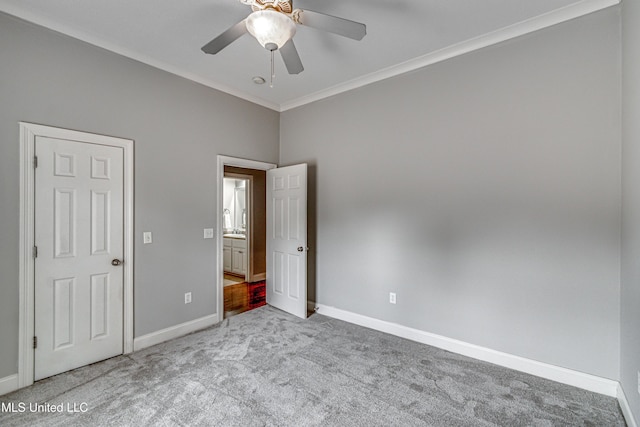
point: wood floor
(243, 296)
(230, 279)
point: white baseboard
(8, 384)
(555, 373)
(174, 332)
(626, 409)
(258, 277)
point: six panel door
(287, 239)
(78, 233)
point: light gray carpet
(267, 368)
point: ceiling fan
(273, 24)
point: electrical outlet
(208, 233)
(392, 297)
(147, 237)
(187, 298)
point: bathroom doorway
(244, 239)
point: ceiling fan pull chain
(273, 72)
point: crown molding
(66, 30)
(540, 22)
(567, 13)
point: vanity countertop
(234, 236)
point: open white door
(287, 239)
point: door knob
(116, 262)
(300, 249)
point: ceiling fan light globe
(270, 26)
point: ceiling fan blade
(291, 58)
(344, 27)
(225, 39)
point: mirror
(240, 200)
(235, 205)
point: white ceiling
(401, 35)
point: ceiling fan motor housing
(284, 6)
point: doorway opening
(242, 228)
(285, 233)
(244, 239)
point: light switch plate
(147, 237)
(208, 233)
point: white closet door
(79, 236)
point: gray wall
(630, 300)
(484, 191)
(178, 126)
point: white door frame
(222, 162)
(28, 134)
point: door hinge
(35, 161)
(35, 252)
(35, 342)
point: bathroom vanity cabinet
(235, 255)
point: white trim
(626, 409)
(28, 134)
(222, 162)
(549, 19)
(555, 373)
(25, 262)
(174, 332)
(540, 22)
(8, 384)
